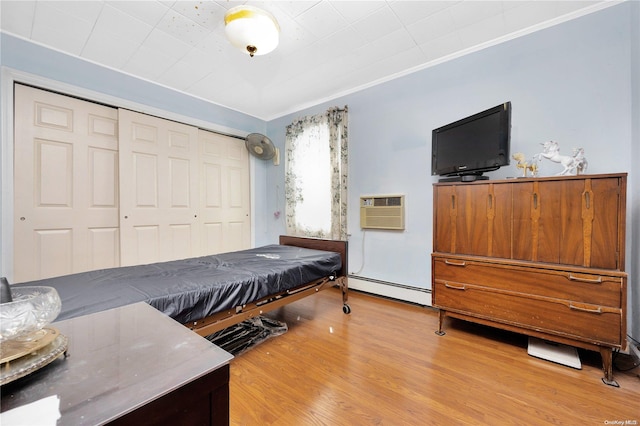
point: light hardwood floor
(383, 365)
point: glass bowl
(32, 308)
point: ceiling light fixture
(251, 30)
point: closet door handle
(452, 263)
(585, 280)
(591, 310)
(455, 286)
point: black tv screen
(467, 148)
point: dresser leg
(441, 315)
(607, 366)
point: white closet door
(224, 193)
(66, 185)
(159, 189)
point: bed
(210, 293)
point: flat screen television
(465, 149)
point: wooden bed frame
(222, 320)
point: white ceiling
(327, 48)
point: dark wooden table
(130, 365)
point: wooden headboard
(320, 244)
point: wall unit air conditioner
(382, 212)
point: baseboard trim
(420, 296)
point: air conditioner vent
(382, 212)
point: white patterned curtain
(316, 175)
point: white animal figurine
(580, 162)
(551, 152)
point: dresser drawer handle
(586, 280)
(452, 263)
(596, 310)
(455, 286)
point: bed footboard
(337, 246)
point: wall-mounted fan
(260, 146)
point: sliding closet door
(225, 197)
(97, 187)
(158, 189)
(65, 185)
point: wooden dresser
(539, 256)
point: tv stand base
(463, 178)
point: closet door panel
(224, 194)
(212, 238)
(159, 202)
(58, 241)
(103, 178)
(146, 249)
(53, 174)
(105, 248)
(181, 241)
(180, 176)
(145, 181)
(235, 233)
(65, 184)
(212, 180)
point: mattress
(194, 288)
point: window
(316, 175)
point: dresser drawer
(603, 290)
(592, 323)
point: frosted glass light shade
(251, 30)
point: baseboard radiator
(420, 296)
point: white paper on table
(43, 412)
